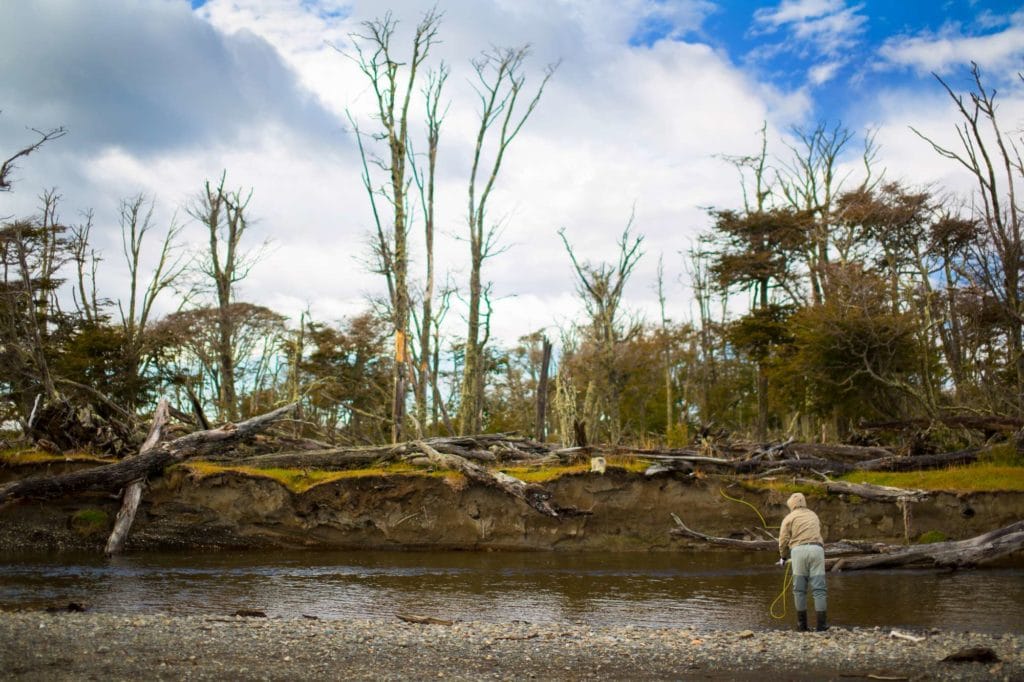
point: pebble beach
(38, 645)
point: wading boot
(801, 621)
(822, 622)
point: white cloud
(952, 48)
(795, 11)
(619, 125)
(819, 74)
(828, 26)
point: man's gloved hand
(781, 562)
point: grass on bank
(981, 477)
(973, 478)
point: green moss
(30, 456)
(301, 480)
(932, 536)
(89, 521)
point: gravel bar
(38, 645)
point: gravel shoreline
(84, 646)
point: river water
(705, 589)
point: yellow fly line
(787, 578)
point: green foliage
(348, 374)
(756, 247)
(854, 355)
(99, 356)
(761, 330)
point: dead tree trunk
(133, 491)
(847, 555)
(538, 498)
(542, 392)
(147, 463)
(953, 554)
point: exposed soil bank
(626, 512)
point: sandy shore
(92, 646)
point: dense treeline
(825, 299)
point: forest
(831, 304)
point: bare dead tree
(425, 183)
(86, 264)
(392, 95)
(499, 86)
(223, 213)
(542, 391)
(136, 215)
(8, 165)
(810, 181)
(993, 159)
(667, 340)
(600, 287)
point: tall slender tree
(500, 83)
(223, 213)
(393, 87)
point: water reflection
(720, 589)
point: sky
(159, 96)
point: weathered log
(815, 465)
(337, 459)
(880, 493)
(682, 530)
(974, 551)
(828, 451)
(920, 462)
(847, 555)
(133, 491)
(146, 464)
(535, 496)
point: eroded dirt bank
(627, 512)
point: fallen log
(841, 548)
(920, 462)
(535, 496)
(879, 493)
(133, 491)
(338, 459)
(147, 463)
(968, 553)
(826, 451)
(848, 555)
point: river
(704, 589)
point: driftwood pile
(477, 457)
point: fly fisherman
(800, 540)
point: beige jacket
(800, 527)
